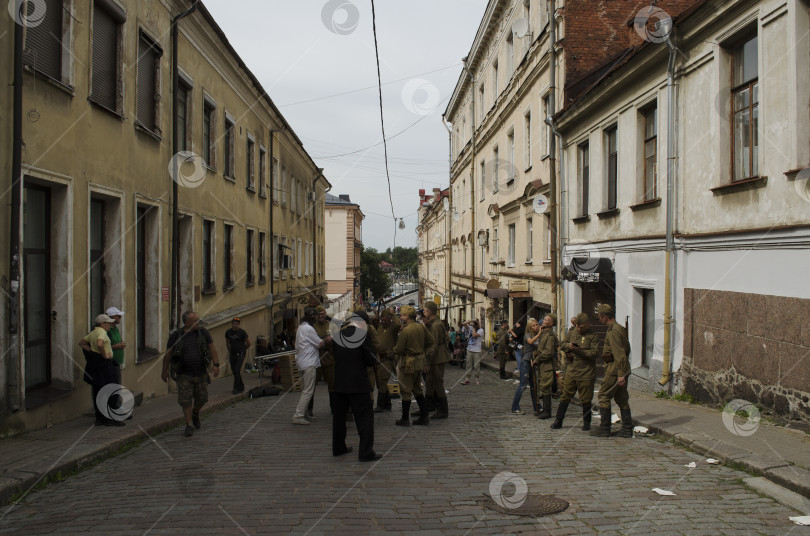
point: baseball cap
(114, 311)
(102, 318)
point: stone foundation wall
(748, 346)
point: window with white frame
(745, 109)
(208, 280)
(549, 238)
(208, 131)
(148, 85)
(274, 179)
(250, 164)
(611, 167)
(229, 146)
(510, 260)
(495, 244)
(510, 56)
(227, 256)
(546, 141)
(481, 107)
(250, 277)
(482, 179)
(262, 171)
(495, 164)
(583, 177)
(510, 140)
(495, 81)
(649, 118)
(48, 44)
(529, 238)
(527, 129)
(106, 83)
(276, 251)
(262, 258)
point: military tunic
(617, 346)
(384, 346)
(437, 356)
(580, 374)
(547, 348)
(414, 340)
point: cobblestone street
(249, 471)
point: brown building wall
(748, 346)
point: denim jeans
(525, 368)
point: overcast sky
(311, 50)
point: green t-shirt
(115, 338)
(93, 337)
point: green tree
(372, 277)
(402, 258)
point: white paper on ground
(801, 520)
(641, 430)
(614, 418)
(712, 461)
(660, 491)
(691, 465)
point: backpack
(176, 364)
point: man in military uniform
(581, 349)
(327, 370)
(503, 349)
(547, 347)
(413, 340)
(438, 355)
(617, 369)
(387, 334)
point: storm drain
(534, 506)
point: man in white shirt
(307, 343)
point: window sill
(263, 195)
(228, 178)
(529, 262)
(70, 90)
(547, 261)
(250, 189)
(581, 219)
(208, 291)
(228, 288)
(605, 214)
(263, 281)
(250, 284)
(793, 173)
(740, 186)
(544, 158)
(210, 168)
(100, 106)
(150, 133)
(528, 169)
(650, 203)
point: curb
(12, 484)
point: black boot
(586, 417)
(405, 420)
(424, 415)
(332, 403)
(627, 424)
(380, 402)
(558, 419)
(387, 400)
(432, 405)
(503, 374)
(441, 411)
(604, 423)
(546, 413)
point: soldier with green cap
(547, 347)
(503, 349)
(387, 334)
(327, 370)
(438, 355)
(581, 349)
(617, 369)
(414, 340)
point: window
(483, 179)
(277, 251)
(529, 238)
(105, 88)
(745, 109)
(249, 254)
(648, 326)
(650, 149)
(583, 176)
(250, 164)
(495, 244)
(483, 261)
(546, 141)
(147, 285)
(494, 82)
(527, 128)
(549, 238)
(183, 92)
(262, 171)
(283, 186)
(262, 258)
(274, 179)
(208, 133)
(495, 164)
(208, 282)
(481, 104)
(612, 165)
(464, 202)
(511, 255)
(44, 41)
(97, 241)
(229, 140)
(298, 261)
(510, 138)
(227, 247)
(148, 87)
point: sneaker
(518, 412)
(195, 418)
(189, 431)
(299, 420)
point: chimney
(345, 197)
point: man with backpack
(189, 353)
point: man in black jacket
(353, 351)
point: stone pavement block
(794, 478)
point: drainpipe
(447, 214)
(13, 363)
(552, 159)
(175, 302)
(563, 205)
(670, 297)
(474, 238)
(315, 228)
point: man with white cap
(99, 355)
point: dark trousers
(361, 406)
(236, 361)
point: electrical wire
(382, 118)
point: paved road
(249, 471)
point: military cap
(387, 312)
(604, 309)
(582, 318)
(431, 306)
(320, 309)
(408, 311)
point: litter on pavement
(660, 491)
(712, 461)
(691, 465)
(641, 430)
(801, 520)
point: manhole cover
(534, 505)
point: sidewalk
(61, 449)
(777, 453)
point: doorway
(37, 285)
